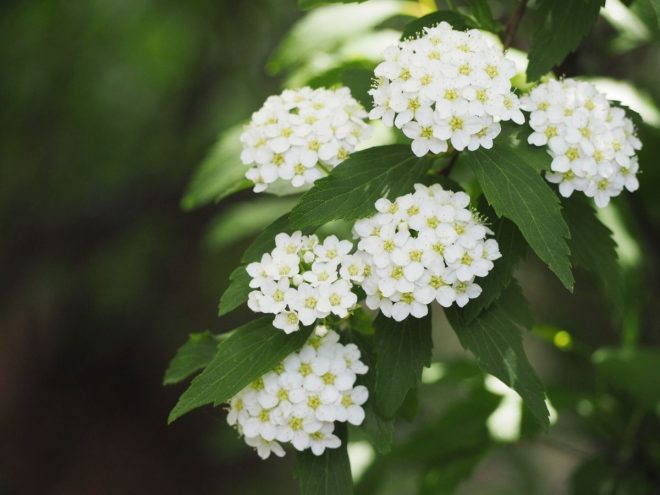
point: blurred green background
(107, 108)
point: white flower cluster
(298, 136)
(422, 247)
(446, 86)
(303, 280)
(592, 143)
(300, 400)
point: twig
(513, 23)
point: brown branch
(513, 23)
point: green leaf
(246, 219)
(403, 349)
(593, 248)
(457, 21)
(460, 429)
(447, 477)
(357, 75)
(515, 190)
(635, 371)
(410, 406)
(649, 12)
(513, 302)
(359, 81)
(351, 189)
(328, 28)
(326, 474)
(265, 241)
(379, 430)
(482, 13)
(495, 340)
(239, 280)
(513, 248)
(310, 4)
(515, 136)
(452, 447)
(237, 292)
(249, 352)
(564, 23)
(192, 356)
(443, 450)
(220, 174)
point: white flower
(336, 298)
(286, 320)
(592, 144)
(295, 137)
(353, 268)
(466, 291)
(303, 280)
(348, 408)
(421, 247)
(445, 87)
(299, 401)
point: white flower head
(444, 88)
(304, 280)
(592, 143)
(421, 247)
(299, 401)
(296, 137)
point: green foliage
(495, 340)
(379, 430)
(484, 16)
(653, 8)
(192, 356)
(513, 248)
(325, 29)
(515, 190)
(310, 4)
(520, 207)
(593, 248)
(248, 353)
(402, 351)
(456, 19)
(265, 241)
(239, 280)
(220, 174)
(634, 371)
(444, 451)
(564, 23)
(359, 81)
(327, 474)
(603, 477)
(351, 189)
(237, 292)
(246, 219)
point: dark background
(107, 107)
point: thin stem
(450, 4)
(452, 161)
(512, 26)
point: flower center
(456, 123)
(310, 302)
(408, 297)
(397, 273)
